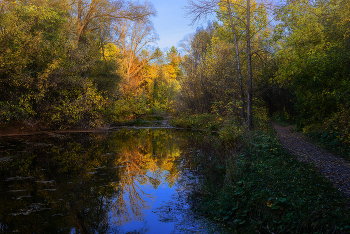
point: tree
(173, 70)
(133, 39)
(194, 80)
(314, 62)
(47, 80)
(92, 15)
(201, 9)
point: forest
(69, 64)
(89, 64)
(84, 64)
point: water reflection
(87, 182)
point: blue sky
(170, 24)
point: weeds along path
(336, 169)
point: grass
(330, 141)
(326, 139)
(210, 122)
(263, 189)
(144, 121)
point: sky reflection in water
(118, 182)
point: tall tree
(200, 9)
(250, 74)
(134, 38)
(89, 11)
(194, 81)
(238, 62)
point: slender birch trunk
(249, 66)
(233, 28)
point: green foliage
(313, 60)
(260, 118)
(334, 133)
(330, 140)
(162, 95)
(45, 76)
(122, 110)
(20, 110)
(264, 189)
(105, 72)
(231, 133)
(79, 106)
(202, 121)
(323, 86)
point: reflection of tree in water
(143, 160)
(131, 200)
(91, 174)
(63, 190)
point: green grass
(144, 121)
(153, 117)
(202, 121)
(263, 189)
(330, 141)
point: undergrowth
(263, 189)
(142, 121)
(330, 141)
(205, 121)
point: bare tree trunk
(249, 66)
(79, 19)
(237, 61)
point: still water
(123, 181)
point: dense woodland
(76, 63)
(92, 63)
(82, 63)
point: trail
(336, 169)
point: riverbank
(264, 189)
(21, 129)
(331, 166)
(16, 128)
(250, 184)
(261, 188)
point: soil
(18, 129)
(331, 166)
(22, 129)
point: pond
(122, 181)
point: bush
(202, 121)
(231, 133)
(126, 109)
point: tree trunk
(249, 66)
(237, 62)
(79, 19)
(83, 23)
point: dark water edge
(125, 181)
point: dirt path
(336, 169)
